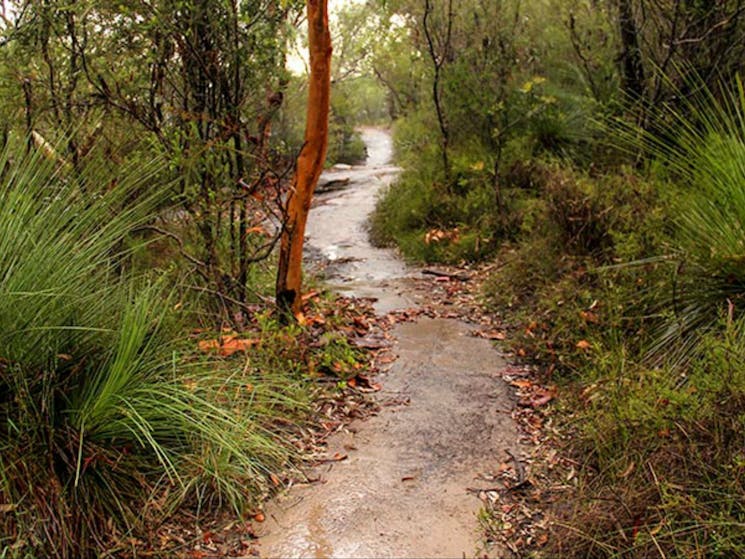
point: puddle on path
(402, 492)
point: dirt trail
(403, 491)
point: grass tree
(109, 417)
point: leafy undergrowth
(640, 452)
(431, 220)
(661, 461)
(123, 434)
(332, 356)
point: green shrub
(431, 220)
(662, 455)
(345, 146)
(658, 444)
(431, 223)
(108, 418)
(573, 227)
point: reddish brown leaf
(491, 334)
(310, 295)
(522, 383)
(257, 229)
(590, 317)
(228, 345)
(363, 384)
(542, 400)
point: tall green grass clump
(108, 419)
(661, 451)
(701, 147)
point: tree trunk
(438, 61)
(309, 163)
(631, 57)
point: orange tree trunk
(309, 163)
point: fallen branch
(333, 185)
(519, 468)
(442, 274)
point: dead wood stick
(518, 467)
(443, 274)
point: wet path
(337, 229)
(402, 492)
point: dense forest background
(592, 152)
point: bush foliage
(627, 292)
(110, 418)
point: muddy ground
(407, 485)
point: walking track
(402, 492)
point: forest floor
(456, 427)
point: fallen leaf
(522, 383)
(542, 400)
(386, 359)
(370, 343)
(363, 384)
(590, 317)
(438, 235)
(491, 334)
(314, 319)
(228, 346)
(583, 344)
(257, 229)
(338, 457)
(313, 294)
(208, 345)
